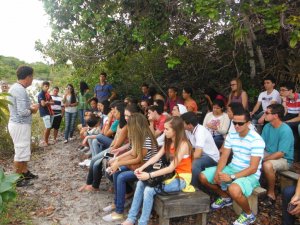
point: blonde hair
(178, 126)
(138, 131)
(239, 88)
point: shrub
(7, 188)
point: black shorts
(56, 122)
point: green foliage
(7, 188)
(164, 42)
(4, 107)
(18, 211)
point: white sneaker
(65, 141)
(87, 162)
(72, 138)
(83, 163)
(84, 149)
(109, 208)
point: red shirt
(159, 124)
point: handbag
(158, 182)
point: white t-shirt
(202, 138)
(266, 98)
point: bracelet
(150, 177)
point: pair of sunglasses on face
(238, 123)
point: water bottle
(223, 186)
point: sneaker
(87, 162)
(113, 217)
(72, 138)
(84, 149)
(245, 219)
(29, 175)
(65, 141)
(23, 183)
(83, 163)
(268, 202)
(109, 208)
(80, 148)
(221, 203)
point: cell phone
(109, 155)
(157, 166)
(290, 207)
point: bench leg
(164, 221)
(201, 219)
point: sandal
(268, 202)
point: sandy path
(56, 189)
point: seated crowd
(225, 154)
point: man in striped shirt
(237, 180)
(291, 102)
(58, 109)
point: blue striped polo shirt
(243, 148)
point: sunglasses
(238, 123)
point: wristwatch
(232, 176)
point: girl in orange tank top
(178, 150)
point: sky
(22, 22)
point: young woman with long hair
(237, 93)
(143, 147)
(83, 98)
(178, 150)
(217, 122)
(70, 103)
(118, 144)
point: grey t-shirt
(20, 108)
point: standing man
(269, 96)
(279, 153)
(237, 180)
(20, 120)
(103, 90)
(145, 91)
(172, 99)
(58, 110)
(4, 87)
(45, 101)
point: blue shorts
(247, 184)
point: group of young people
(225, 154)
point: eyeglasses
(233, 84)
(283, 89)
(238, 123)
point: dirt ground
(59, 202)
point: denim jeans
(101, 142)
(70, 119)
(81, 116)
(95, 170)
(94, 151)
(199, 165)
(120, 178)
(145, 194)
(288, 193)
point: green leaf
(1, 174)
(1, 204)
(12, 178)
(5, 186)
(172, 62)
(8, 196)
(293, 42)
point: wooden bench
(252, 199)
(287, 178)
(182, 204)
